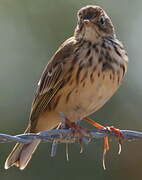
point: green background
(30, 32)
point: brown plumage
(79, 79)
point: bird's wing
(52, 79)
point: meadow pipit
(79, 79)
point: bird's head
(93, 24)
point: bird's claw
(110, 130)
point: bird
(78, 80)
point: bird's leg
(66, 123)
(116, 131)
(75, 126)
(95, 124)
(111, 129)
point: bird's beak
(88, 22)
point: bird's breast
(87, 92)
(90, 80)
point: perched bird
(80, 78)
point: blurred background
(30, 32)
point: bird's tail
(21, 154)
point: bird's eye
(80, 15)
(102, 20)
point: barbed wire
(68, 136)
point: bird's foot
(66, 123)
(118, 134)
(110, 129)
(81, 130)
